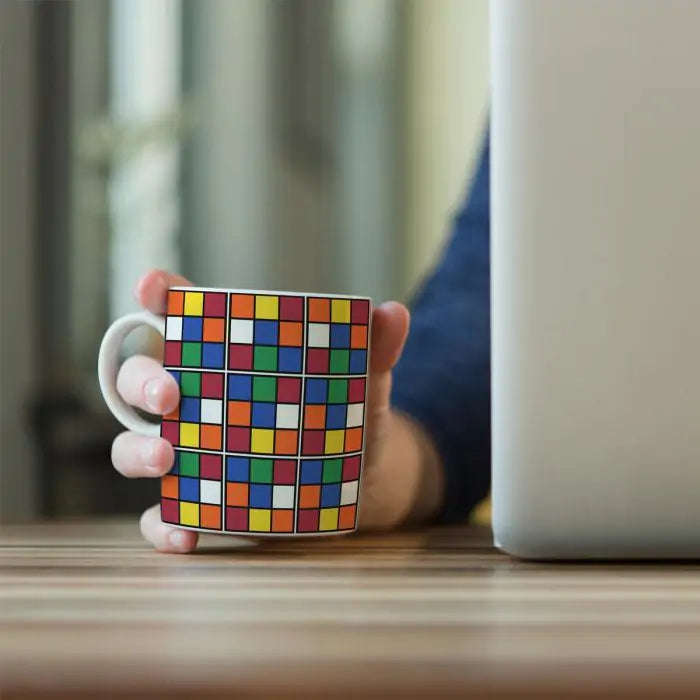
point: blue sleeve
(443, 379)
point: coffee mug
(269, 432)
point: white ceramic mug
(269, 432)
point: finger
(152, 289)
(135, 455)
(390, 323)
(164, 537)
(144, 383)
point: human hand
(393, 463)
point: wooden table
(87, 611)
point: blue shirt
(443, 378)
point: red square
(359, 311)
(291, 309)
(285, 471)
(238, 440)
(313, 442)
(169, 511)
(237, 519)
(317, 361)
(212, 386)
(210, 466)
(240, 357)
(170, 431)
(173, 353)
(307, 520)
(214, 304)
(351, 468)
(289, 390)
(356, 390)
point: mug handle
(108, 366)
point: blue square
(237, 469)
(191, 328)
(311, 472)
(189, 410)
(330, 495)
(266, 332)
(189, 489)
(316, 390)
(263, 415)
(336, 415)
(175, 374)
(289, 360)
(358, 361)
(260, 496)
(240, 387)
(213, 355)
(176, 464)
(340, 335)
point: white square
(241, 331)
(287, 416)
(319, 335)
(355, 414)
(283, 496)
(348, 493)
(210, 411)
(173, 328)
(210, 492)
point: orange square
(290, 333)
(236, 494)
(176, 303)
(353, 439)
(210, 516)
(168, 486)
(309, 496)
(282, 521)
(243, 306)
(358, 337)
(239, 412)
(214, 330)
(346, 518)
(286, 442)
(315, 417)
(210, 437)
(173, 415)
(320, 310)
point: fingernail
(178, 540)
(153, 391)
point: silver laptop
(596, 277)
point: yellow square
(194, 303)
(189, 514)
(262, 441)
(189, 434)
(335, 440)
(328, 519)
(267, 307)
(340, 310)
(259, 519)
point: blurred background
(310, 145)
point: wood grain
(88, 610)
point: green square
(332, 470)
(340, 361)
(189, 464)
(265, 359)
(191, 354)
(264, 388)
(190, 383)
(337, 391)
(261, 471)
